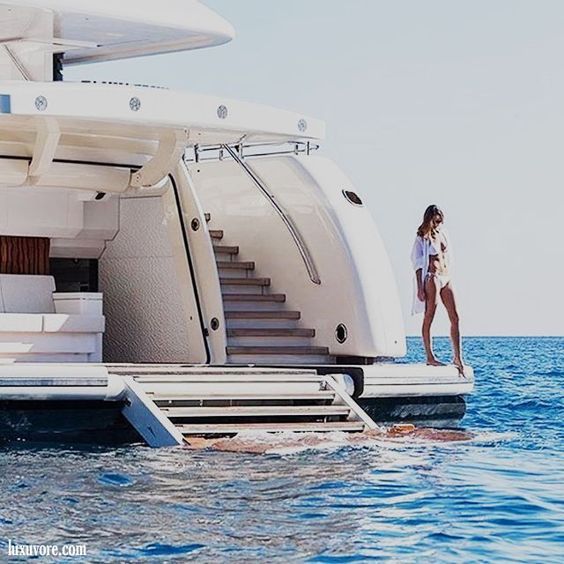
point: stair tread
(254, 410)
(260, 314)
(245, 281)
(254, 297)
(313, 427)
(227, 249)
(244, 265)
(277, 350)
(270, 332)
(216, 233)
(239, 397)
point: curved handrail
(294, 232)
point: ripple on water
(115, 479)
(498, 496)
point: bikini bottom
(443, 279)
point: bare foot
(460, 367)
(434, 362)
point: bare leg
(431, 300)
(447, 296)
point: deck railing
(199, 153)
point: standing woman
(430, 256)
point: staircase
(173, 402)
(261, 329)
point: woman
(431, 256)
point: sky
(455, 103)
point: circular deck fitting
(195, 224)
(135, 104)
(214, 324)
(41, 103)
(302, 125)
(222, 112)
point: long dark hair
(426, 228)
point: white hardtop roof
(103, 30)
(119, 121)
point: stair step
(216, 233)
(278, 314)
(226, 249)
(271, 332)
(208, 217)
(248, 265)
(230, 429)
(245, 281)
(258, 410)
(241, 397)
(278, 350)
(278, 298)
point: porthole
(341, 333)
(352, 197)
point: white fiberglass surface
(127, 118)
(107, 29)
(357, 286)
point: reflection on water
(495, 495)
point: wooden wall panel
(24, 255)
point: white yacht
(173, 264)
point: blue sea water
(496, 497)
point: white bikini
(420, 253)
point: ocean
(498, 496)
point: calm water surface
(497, 497)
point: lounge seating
(39, 325)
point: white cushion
(22, 293)
(21, 323)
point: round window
(352, 197)
(341, 333)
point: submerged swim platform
(164, 404)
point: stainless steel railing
(217, 152)
(284, 216)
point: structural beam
(172, 144)
(46, 143)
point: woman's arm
(420, 286)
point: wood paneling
(24, 255)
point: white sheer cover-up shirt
(421, 251)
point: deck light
(222, 112)
(41, 103)
(135, 104)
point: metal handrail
(294, 232)
(298, 147)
